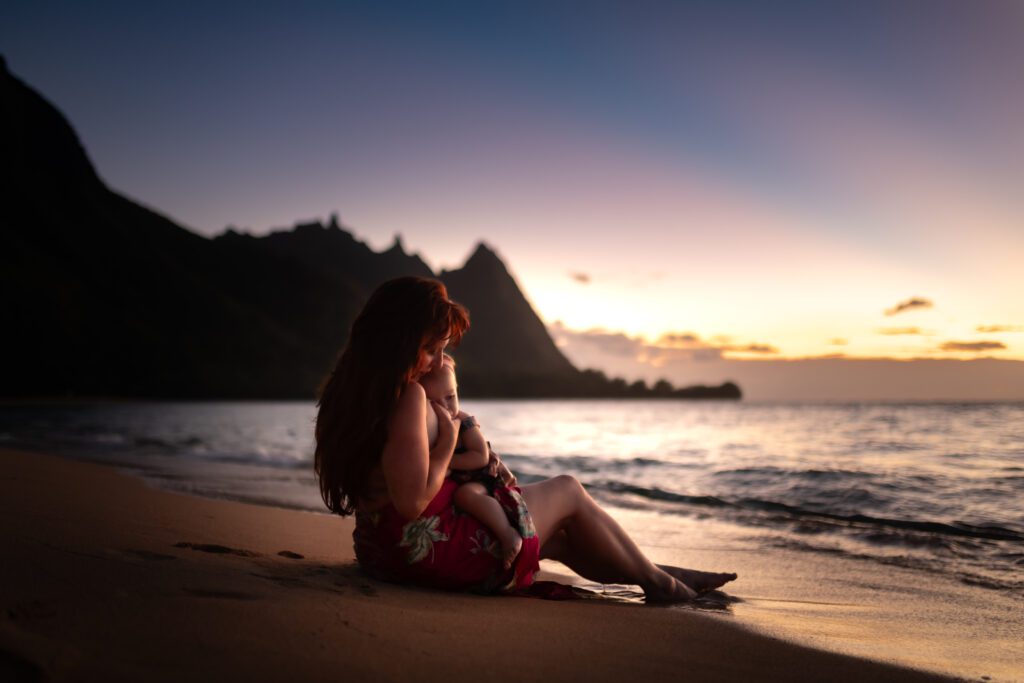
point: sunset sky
(671, 183)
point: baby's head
(440, 385)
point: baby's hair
(447, 363)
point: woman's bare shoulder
(413, 395)
(412, 404)
(410, 414)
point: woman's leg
(557, 548)
(573, 529)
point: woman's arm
(412, 469)
(476, 455)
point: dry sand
(105, 578)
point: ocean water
(930, 487)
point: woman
(376, 456)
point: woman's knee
(570, 487)
(555, 501)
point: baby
(472, 453)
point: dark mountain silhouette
(334, 253)
(510, 353)
(505, 326)
(104, 297)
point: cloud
(601, 348)
(659, 356)
(702, 350)
(678, 339)
(597, 340)
(971, 376)
(890, 331)
(999, 328)
(582, 278)
(838, 341)
(972, 346)
(752, 348)
(908, 305)
(706, 355)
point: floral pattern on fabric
(482, 542)
(523, 522)
(419, 536)
(445, 548)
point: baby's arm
(476, 454)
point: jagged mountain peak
(310, 227)
(397, 246)
(484, 256)
(507, 334)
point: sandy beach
(105, 578)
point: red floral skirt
(447, 548)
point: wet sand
(831, 601)
(106, 578)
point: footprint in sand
(221, 593)
(214, 548)
(32, 609)
(146, 554)
(287, 581)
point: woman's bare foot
(701, 582)
(511, 544)
(665, 588)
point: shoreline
(107, 577)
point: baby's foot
(511, 544)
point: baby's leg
(473, 498)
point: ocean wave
(583, 464)
(271, 460)
(795, 513)
(878, 446)
(661, 494)
(955, 528)
(985, 572)
(170, 445)
(818, 475)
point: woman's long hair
(401, 319)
